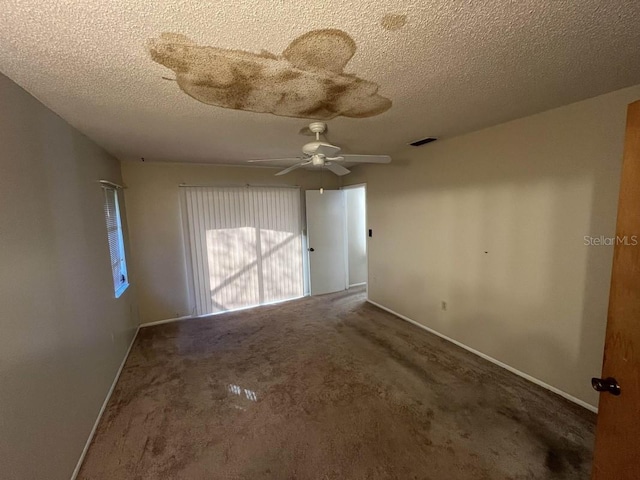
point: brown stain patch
(393, 22)
(306, 81)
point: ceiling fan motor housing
(317, 127)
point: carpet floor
(325, 388)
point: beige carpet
(327, 388)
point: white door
(326, 241)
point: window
(116, 240)
(244, 246)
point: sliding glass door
(244, 246)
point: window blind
(244, 246)
(115, 239)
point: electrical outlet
(444, 306)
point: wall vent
(417, 143)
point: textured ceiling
(443, 67)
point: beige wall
(493, 223)
(356, 235)
(153, 209)
(63, 334)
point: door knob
(311, 249)
(609, 384)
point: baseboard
(526, 376)
(357, 284)
(168, 320)
(102, 409)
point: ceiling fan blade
(327, 150)
(292, 168)
(285, 159)
(335, 159)
(367, 158)
(337, 169)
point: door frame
(366, 225)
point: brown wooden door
(617, 451)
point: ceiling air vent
(418, 143)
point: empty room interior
(320, 240)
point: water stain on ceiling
(393, 21)
(306, 81)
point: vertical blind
(244, 246)
(115, 238)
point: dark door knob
(609, 384)
(311, 249)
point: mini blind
(244, 246)
(115, 239)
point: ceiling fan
(325, 155)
